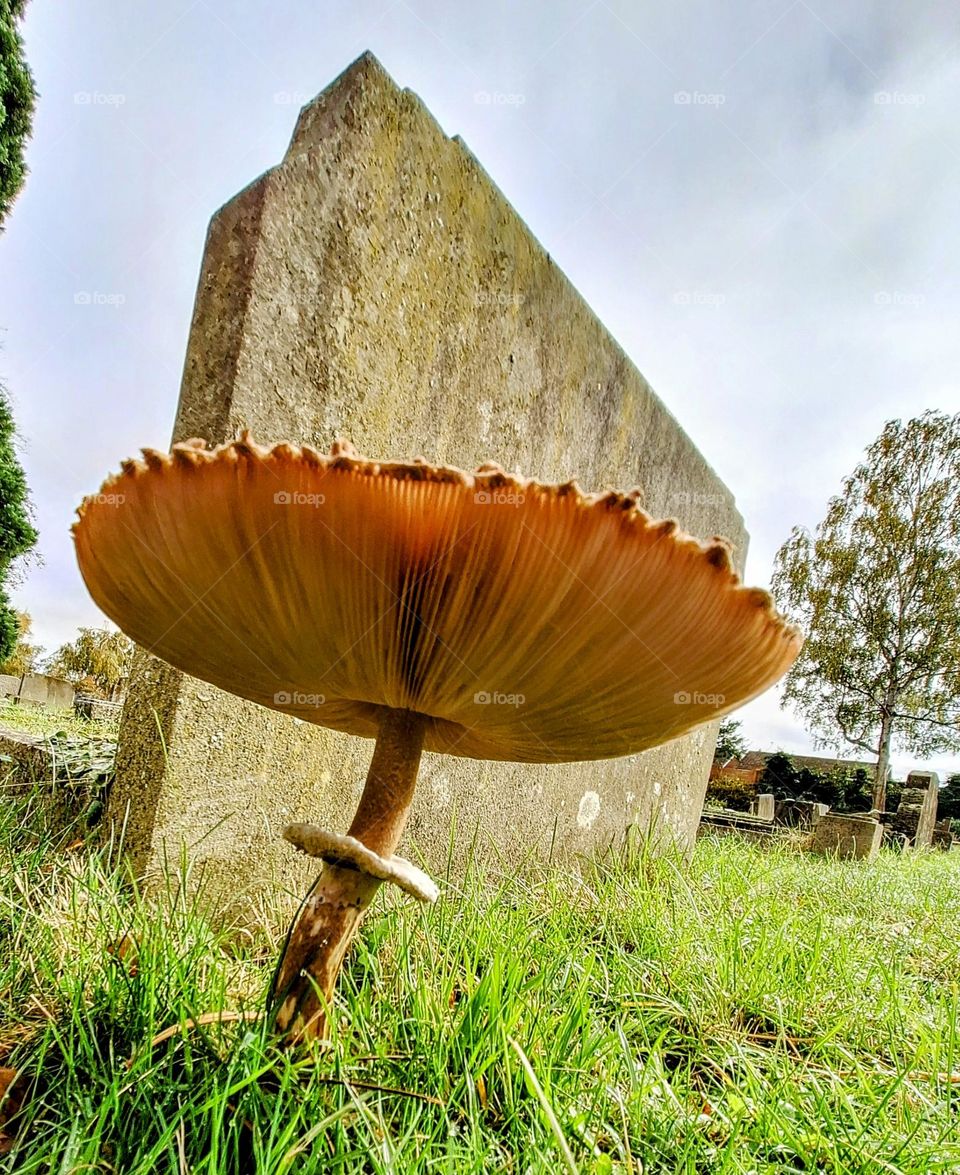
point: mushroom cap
(530, 622)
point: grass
(39, 720)
(758, 1011)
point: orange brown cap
(530, 622)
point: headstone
(795, 813)
(376, 286)
(764, 806)
(942, 837)
(845, 836)
(917, 814)
(722, 821)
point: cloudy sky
(758, 198)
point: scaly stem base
(307, 973)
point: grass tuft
(758, 1011)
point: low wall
(38, 689)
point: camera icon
(282, 498)
(482, 498)
(682, 698)
(281, 699)
(482, 698)
(682, 98)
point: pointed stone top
(362, 82)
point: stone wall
(38, 689)
(376, 286)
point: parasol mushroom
(402, 602)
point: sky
(757, 197)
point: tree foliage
(17, 534)
(948, 800)
(875, 590)
(98, 659)
(730, 741)
(25, 657)
(17, 98)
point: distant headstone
(764, 806)
(942, 837)
(917, 814)
(376, 286)
(846, 836)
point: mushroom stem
(332, 912)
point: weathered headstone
(376, 286)
(845, 836)
(917, 812)
(764, 806)
(942, 837)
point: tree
(98, 657)
(875, 590)
(730, 742)
(17, 98)
(26, 655)
(779, 777)
(17, 534)
(948, 800)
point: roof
(815, 763)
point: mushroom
(477, 614)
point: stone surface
(38, 689)
(798, 813)
(28, 754)
(376, 286)
(764, 807)
(942, 836)
(845, 836)
(916, 814)
(29, 763)
(724, 822)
